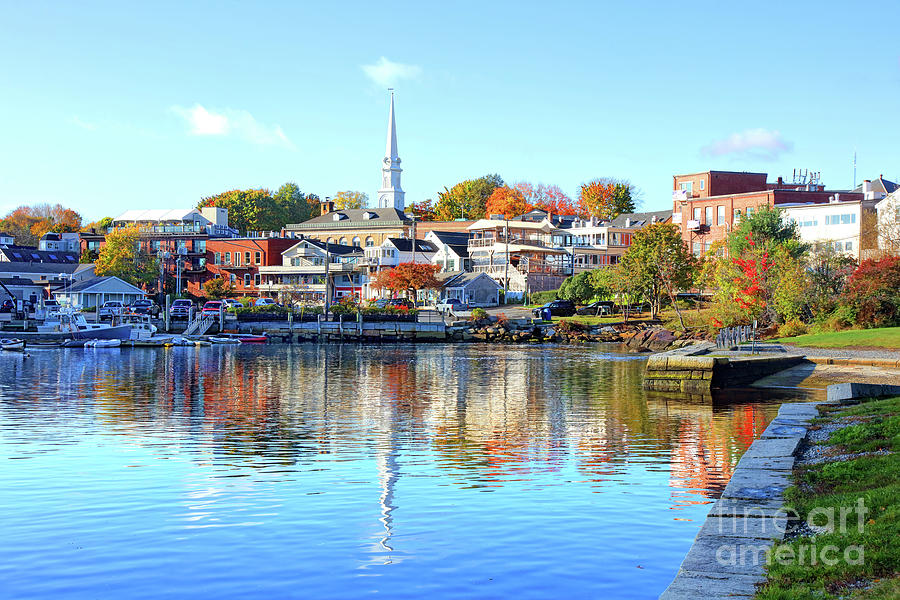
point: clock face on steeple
(387, 160)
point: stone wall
(698, 373)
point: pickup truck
(110, 309)
(451, 306)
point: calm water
(347, 471)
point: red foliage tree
(408, 277)
(423, 211)
(873, 292)
(506, 201)
(547, 197)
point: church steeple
(391, 195)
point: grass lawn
(886, 337)
(828, 488)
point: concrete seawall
(693, 370)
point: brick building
(237, 260)
(708, 205)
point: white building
(301, 276)
(888, 210)
(451, 250)
(60, 242)
(95, 291)
(211, 220)
(846, 227)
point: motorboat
(69, 324)
(102, 343)
(221, 339)
(12, 345)
(246, 338)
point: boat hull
(119, 332)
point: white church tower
(391, 195)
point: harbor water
(346, 471)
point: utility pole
(327, 260)
(506, 272)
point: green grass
(836, 485)
(885, 337)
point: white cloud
(387, 73)
(229, 122)
(752, 143)
(83, 124)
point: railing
(200, 325)
(730, 337)
(522, 241)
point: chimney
(867, 189)
(327, 206)
(627, 222)
(780, 181)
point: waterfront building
(238, 260)
(592, 243)
(301, 276)
(391, 253)
(365, 227)
(844, 226)
(31, 255)
(452, 250)
(177, 236)
(474, 289)
(706, 206)
(67, 242)
(94, 291)
(7, 240)
(888, 215)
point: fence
(729, 337)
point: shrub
(792, 328)
(544, 297)
(873, 293)
(567, 326)
(478, 314)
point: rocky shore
(637, 337)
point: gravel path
(843, 353)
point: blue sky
(108, 106)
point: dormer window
(368, 215)
(339, 216)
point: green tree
(293, 206)
(121, 257)
(218, 288)
(467, 199)
(658, 257)
(349, 200)
(248, 210)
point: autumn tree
(422, 211)
(100, 226)
(408, 277)
(349, 200)
(606, 199)
(29, 223)
(658, 257)
(121, 257)
(467, 199)
(506, 201)
(545, 197)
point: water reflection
(398, 443)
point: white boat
(12, 345)
(103, 343)
(223, 340)
(69, 324)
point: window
(720, 217)
(199, 245)
(356, 241)
(848, 246)
(237, 259)
(247, 258)
(227, 256)
(687, 186)
(343, 241)
(246, 279)
(696, 214)
(370, 242)
(709, 215)
(749, 211)
(256, 279)
(258, 258)
(706, 247)
(736, 214)
(232, 278)
(698, 248)
(702, 184)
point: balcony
(693, 225)
(513, 240)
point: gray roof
(89, 283)
(452, 237)
(460, 250)
(880, 185)
(51, 269)
(332, 247)
(354, 218)
(640, 219)
(457, 279)
(27, 254)
(405, 245)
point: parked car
(181, 309)
(144, 306)
(451, 305)
(264, 302)
(232, 303)
(596, 309)
(212, 308)
(110, 309)
(558, 308)
(381, 303)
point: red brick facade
(237, 260)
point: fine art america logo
(756, 524)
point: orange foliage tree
(506, 201)
(423, 211)
(605, 198)
(547, 197)
(408, 277)
(28, 223)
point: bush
(873, 293)
(792, 328)
(478, 314)
(544, 297)
(567, 326)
